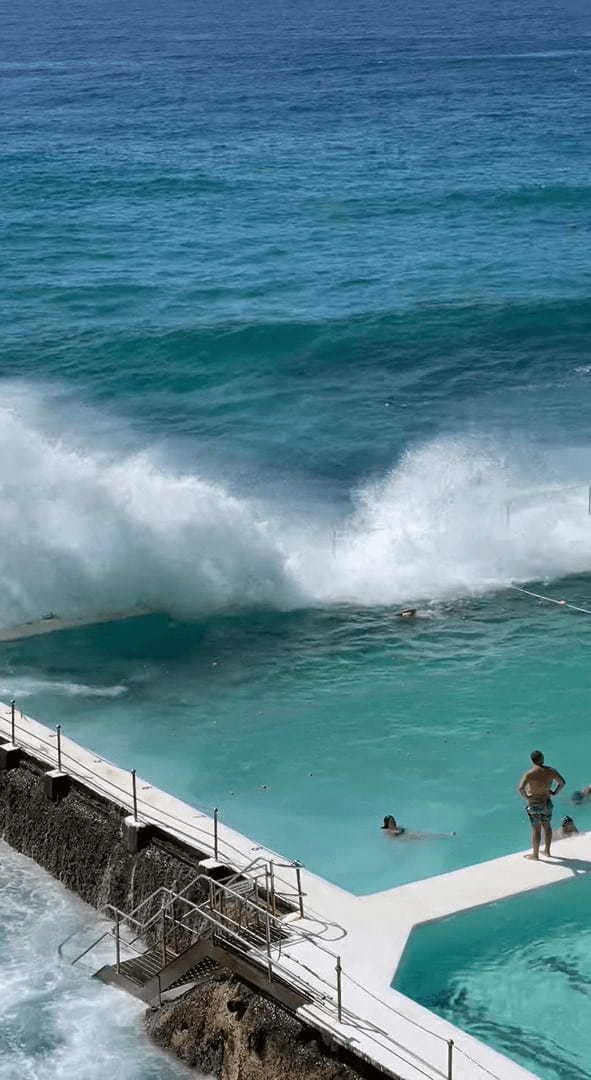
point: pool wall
(349, 946)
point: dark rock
(227, 1029)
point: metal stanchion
(450, 1059)
(272, 881)
(339, 997)
(300, 893)
(117, 944)
(175, 937)
(59, 747)
(133, 785)
(268, 937)
(163, 931)
(267, 889)
(215, 833)
(12, 722)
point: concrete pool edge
(440, 897)
(379, 1025)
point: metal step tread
(140, 969)
(196, 974)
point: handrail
(91, 947)
(102, 784)
(322, 994)
(322, 999)
(125, 799)
(78, 930)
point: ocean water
(295, 308)
(56, 1021)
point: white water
(28, 687)
(88, 531)
(51, 1013)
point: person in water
(535, 787)
(580, 796)
(391, 826)
(568, 827)
(407, 613)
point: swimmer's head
(537, 757)
(566, 821)
(407, 613)
(577, 796)
(389, 822)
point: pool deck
(368, 933)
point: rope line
(550, 599)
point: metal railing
(263, 938)
(328, 999)
(51, 750)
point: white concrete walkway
(368, 933)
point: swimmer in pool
(568, 827)
(535, 787)
(391, 826)
(580, 796)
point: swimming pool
(516, 974)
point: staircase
(182, 942)
(153, 978)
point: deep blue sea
(295, 332)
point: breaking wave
(86, 530)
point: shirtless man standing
(536, 787)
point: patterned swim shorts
(540, 813)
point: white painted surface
(369, 933)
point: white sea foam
(23, 687)
(88, 531)
(55, 1020)
(457, 516)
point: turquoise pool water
(516, 974)
(305, 728)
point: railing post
(450, 1059)
(272, 880)
(215, 833)
(175, 938)
(268, 937)
(159, 990)
(163, 930)
(267, 888)
(134, 792)
(211, 894)
(339, 989)
(117, 944)
(12, 722)
(589, 500)
(59, 747)
(298, 871)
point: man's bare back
(537, 782)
